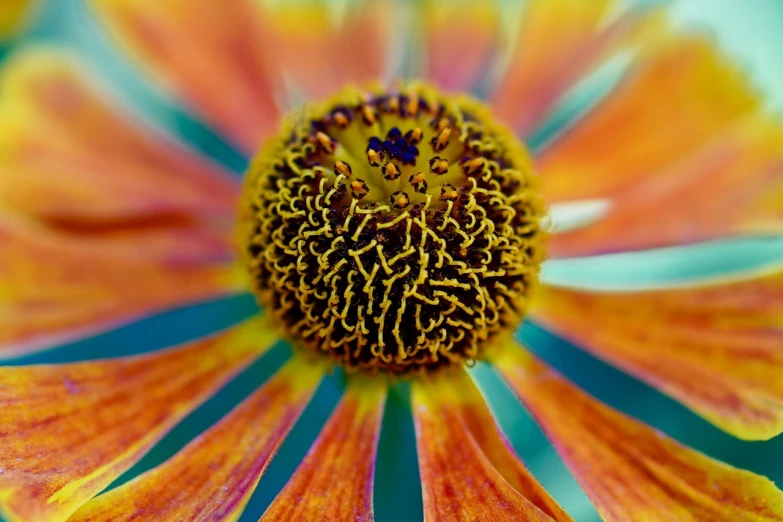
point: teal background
(750, 31)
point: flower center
(393, 231)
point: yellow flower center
(393, 231)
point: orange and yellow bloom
(394, 231)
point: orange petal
(214, 476)
(630, 471)
(459, 481)
(335, 480)
(93, 163)
(166, 240)
(70, 430)
(464, 399)
(635, 133)
(322, 53)
(739, 181)
(461, 38)
(213, 55)
(715, 348)
(558, 43)
(51, 291)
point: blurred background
(750, 31)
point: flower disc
(396, 231)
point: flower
(104, 220)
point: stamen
(474, 166)
(438, 165)
(419, 182)
(448, 192)
(413, 136)
(374, 158)
(390, 172)
(442, 124)
(413, 104)
(340, 119)
(399, 199)
(326, 142)
(360, 189)
(343, 168)
(441, 140)
(394, 104)
(368, 115)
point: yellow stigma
(395, 231)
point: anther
(399, 199)
(343, 168)
(360, 189)
(441, 141)
(326, 142)
(374, 158)
(394, 104)
(419, 182)
(341, 120)
(448, 192)
(413, 104)
(368, 116)
(442, 124)
(473, 167)
(439, 165)
(390, 172)
(413, 137)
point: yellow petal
(715, 347)
(335, 480)
(69, 430)
(630, 471)
(215, 475)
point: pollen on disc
(396, 231)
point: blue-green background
(751, 31)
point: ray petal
(214, 476)
(335, 480)
(635, 135)
(714, 347)
(630, 471)
(52, 291)
(323, 49)
(214, 56)
(475, 413)
(459, 481)
(558, 43)
(68, 155)
(461, 38)
(731, 186)
(70, 430)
